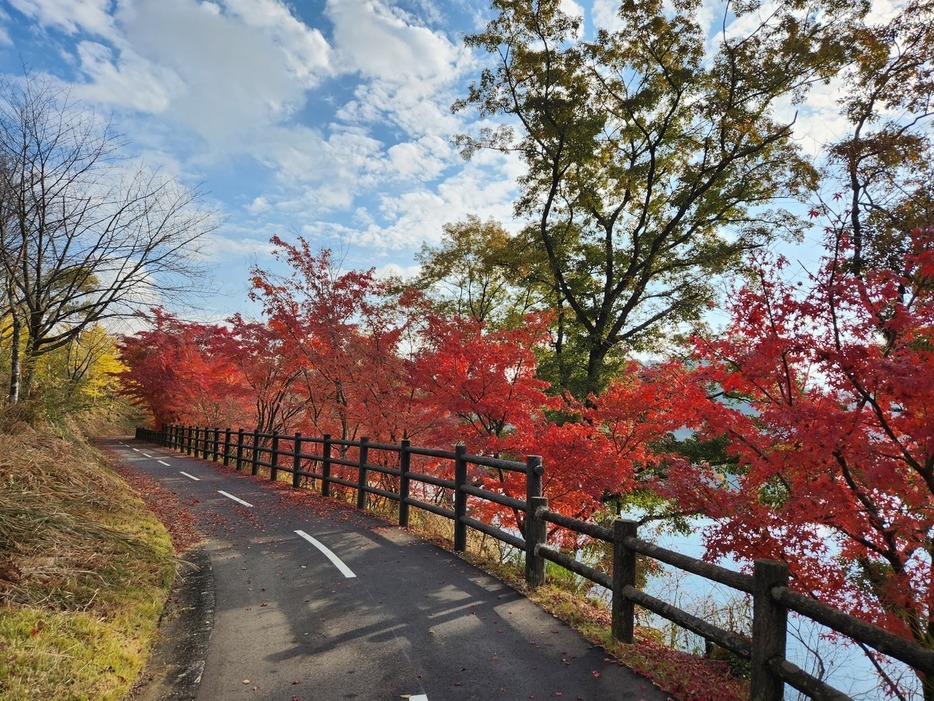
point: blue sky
(325, 118)
(328, 118)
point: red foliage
(481, 381)
(272, 370)
(182, 373)
(348, 336)
(827, 396)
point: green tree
(883, 168)
(475, 273)
(651, 161)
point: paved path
(317, 602)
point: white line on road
(231, 496)
(163, 462)
(196, 479)
(344, 569)
(420, 697)
(147, 455)
(136, 449)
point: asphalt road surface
(315, 601)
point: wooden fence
(768, 585)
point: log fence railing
(768, 585)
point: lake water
(810, 645)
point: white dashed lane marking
(196, 479)
(236, 499)
(163, 462)
(344, 569)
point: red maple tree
(826, 395)
(183, 372)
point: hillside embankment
(85, 568)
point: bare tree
(83, 236)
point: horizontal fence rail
(319, 460)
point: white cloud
(4, 34)
(415, 107)
(221, 74)
(420, 161)
(372, 38)
(69, 16)
(390, 270)
(820, 120)
(572, 9)
(419, 214)
(604, 14)
(306, 50)
(217, 247)
(132, 82)
(258, 205)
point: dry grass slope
(84, 570)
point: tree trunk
(15, 341)
(27, 371)
(596, 358)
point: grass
(84, 570)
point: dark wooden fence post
(361, 475)
(297, 460)
(274, 458)
(533, 483)
(460, 499)
(405, 463)
(326, 465)
(239, 448)
(186, 433)
(536, 529)
(194, 435)
(769, 629)
(254, 466)
(533, 477)
(226, 447)
(624, 575)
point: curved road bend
(320, 603)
